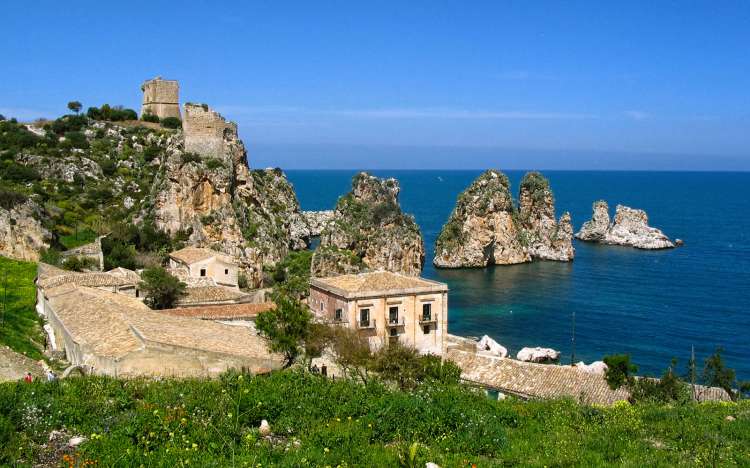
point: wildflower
(326, 450)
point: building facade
(385, 307)
(196, 262)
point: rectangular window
(203, 272)
(394, 332)
(364, 317)
(393, 315)
(338, 315)
(226, 271)
(426, 312)
(426, 329)
(321, 305)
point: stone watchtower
(206, 132)
(161, 98)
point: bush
(162, 290)
(68, 123)
(18, 173)
(76, 140)
(619, 370)
(113, 114)
(150, 118)
(171, 122)
(10, 199)
(75, 263)
(214, 163)
(286, 327)
(190, 157)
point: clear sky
(411, 84)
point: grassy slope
(20, 327)
(211, 423)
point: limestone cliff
(22, 235)
(213, 195)
(630, 228)
(369, 231)
(485, 228)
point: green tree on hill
(286, 327)
(619, 370)
(162, 290)
(75, 106)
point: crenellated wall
(161, 98)
(206, 131)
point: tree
(161, 289)
(352, 353)
(619, 370)
(75, 106)
(287, 326)
(717, 374)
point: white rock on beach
(537, 354)
(630, 228)
(488, 345)
(596, 367)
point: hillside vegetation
(320, 422)
(20, 327)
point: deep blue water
(654, 305)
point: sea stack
(485, 228)
(368, 231)
(630, 228)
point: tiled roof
(209, 294)
(46, 271)
(52, 278)
(190, 255)
(531, 380)
(221, 312)
(376, 282)
(114, 325)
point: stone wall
(161, 98)
(206, 131)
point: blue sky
(558, 85)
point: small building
(198, 262)
(385, 307)
(161, 98)
(91, 251)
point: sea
(652, 305)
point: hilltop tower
(208, 133)
(161, 98)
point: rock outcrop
(369, 231)
(489, 346)
(630, 228)
(215, 199)
(485, 228)
(22, 235)
(538, 354)
(317, 220)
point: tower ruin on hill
(206, 132)
(161, 98)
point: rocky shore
(629, 228)
(486, 228)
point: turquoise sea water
(654, 305)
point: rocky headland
(486, 228)
(630, 228)
(368, 231)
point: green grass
(340, 423)
(20, 326)
(83, 237)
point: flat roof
(377, 283)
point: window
(321, 305)
(364, 317)
(226, 271)
(393, 315)
(203, 272)
(426, 312)
(394, 332)
(426, 329)
(137, 293)
(338, 315)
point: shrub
(114, 114)
(108, 166)
(619, 370)
(18, 173)
(162, 290)
(10, 199)
(171, 122)
(76, 140)
(75, 263)
(150, 118)
(190, 157)
(75, 106)
(214, 163)
(286, 327)
(150, 153)
(68, 123)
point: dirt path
(13, 366)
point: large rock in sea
(546, 239)
(630, 228)
(492, 347)
(368, 231)
(485, 228)
(538, 354)
(211, 196)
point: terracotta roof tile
(191, 255)
(374, 282)
(221, 312)
(208, 294)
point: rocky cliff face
(253, 216)
(485, 228)
(630, 228)
(22, 235)
(369, 231)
